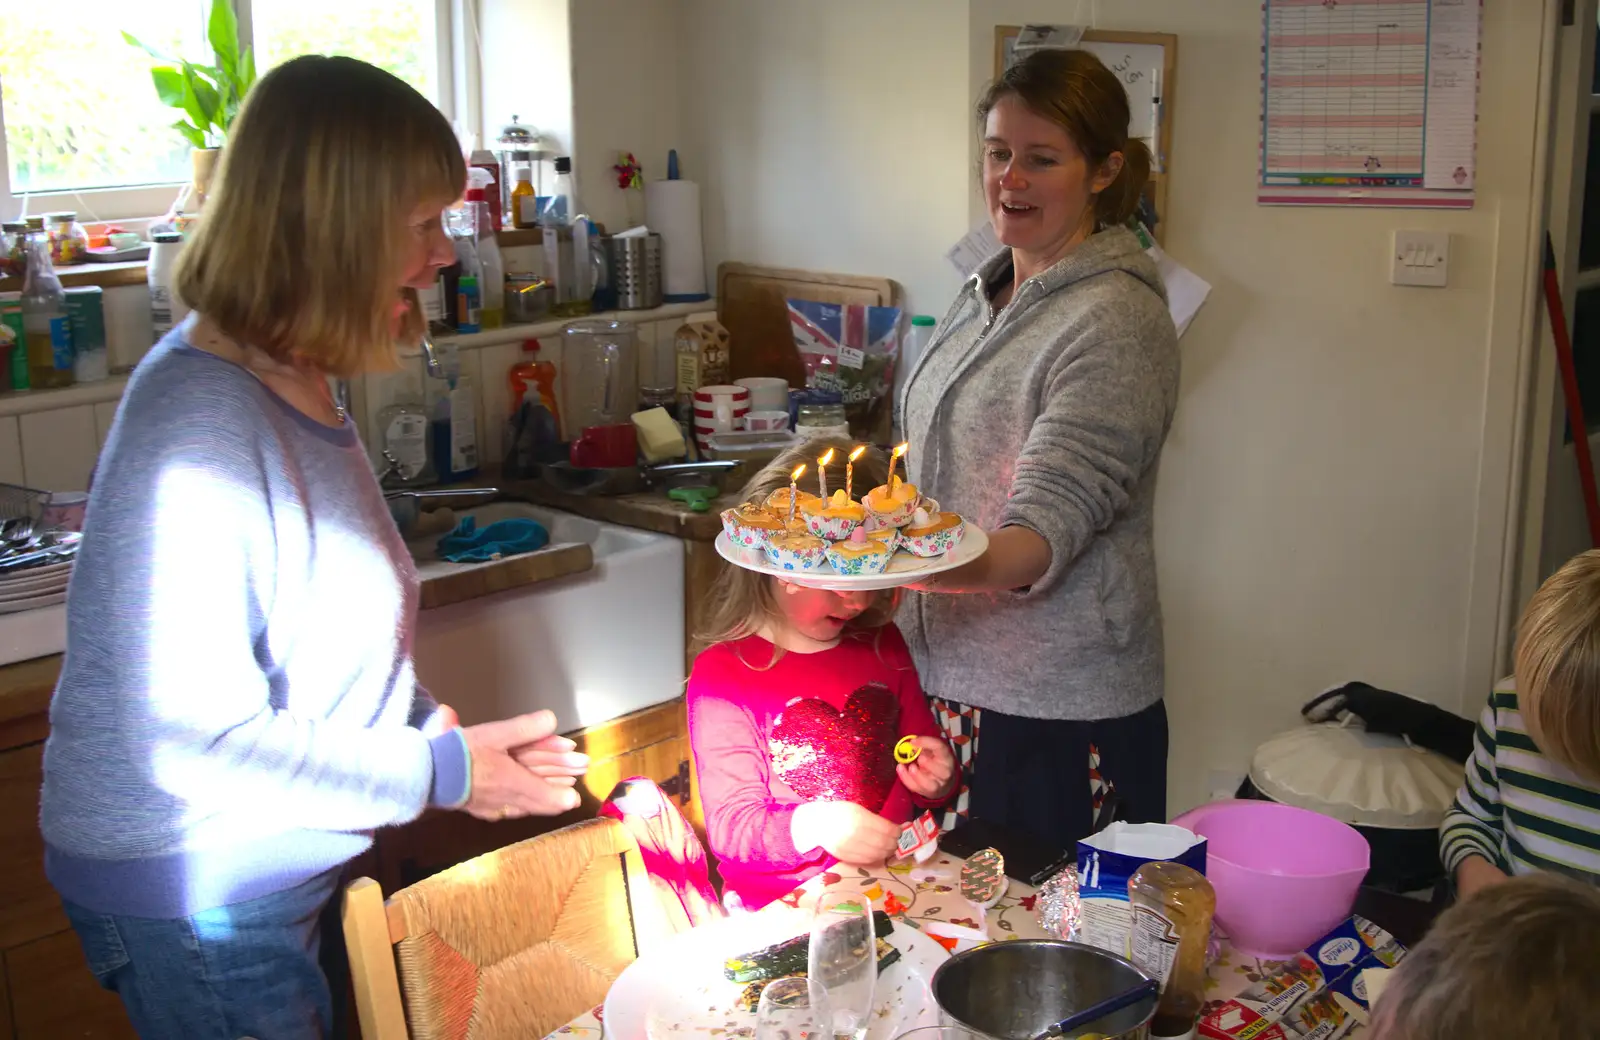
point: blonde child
(1531, 798)
(774, 642)
(1518, 960)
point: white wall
(1333, 497)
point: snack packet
(851, 349)
(1105, 862)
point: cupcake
(860, 554)
(931, 534)
(750, 526)
(889, 536)
(891, 505)
(793, 551)
(778, 501)
(833, 518)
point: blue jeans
(247, 970)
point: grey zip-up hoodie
(1051, 416)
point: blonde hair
(1558, 665)
(743, 602)
(300, 248)
(1515, 959)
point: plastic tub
(1284, 876)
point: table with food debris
(1318, 995)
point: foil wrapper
(1057, 906)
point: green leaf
(222, 29)
(247, 72)
(134, 42)
(170, 86)
(190, 134)
(207, 103)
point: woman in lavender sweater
(238, 710)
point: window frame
(457, 74)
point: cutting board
(752, 305)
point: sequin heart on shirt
(828, 755)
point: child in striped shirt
(1531, 799)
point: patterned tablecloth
(928, 893)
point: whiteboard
(1137, 65)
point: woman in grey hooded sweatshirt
(1038, 411)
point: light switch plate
(1420, 258)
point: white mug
(767, 393)
(766, 420)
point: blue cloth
(238, 710)
(251, 969)
(467, 544)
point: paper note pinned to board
(1186, 291)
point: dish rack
(21, 503)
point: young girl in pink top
(775, 645)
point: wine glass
(793, 1009)
(843, 958)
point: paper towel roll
(673, 209)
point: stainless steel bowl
(1016, 990)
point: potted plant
(209, 96)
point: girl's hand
(933, 774)
(845, 831)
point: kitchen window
(82, 127)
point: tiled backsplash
(50, 439)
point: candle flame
(826, 458)
(798, 470)
(900, 449)
(854, 455)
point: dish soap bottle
(1172, 906)
(492, 272)
(403, 437)
(454, 422)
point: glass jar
(820, 416)
(13, 248)
(69, 243)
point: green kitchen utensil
(698, 498)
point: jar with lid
(13, 248)
(69, 243)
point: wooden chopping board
(752, 304)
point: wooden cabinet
(46, 989)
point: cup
(757, 422)
(63, 510)
(767, 393)
(605, 447)
(718, 409)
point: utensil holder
(636, 271)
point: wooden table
(928, 893)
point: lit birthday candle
(894, 456)
(794, 478)
(850, 469)
(822, 472)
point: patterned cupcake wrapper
(897, 517)
(832, 528)
(873, 563)
(936, 543)
(741, 535)
(792, 560)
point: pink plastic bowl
(1284, 876)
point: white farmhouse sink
(590, 647)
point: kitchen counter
(646, 510)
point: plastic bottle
(559, 205)
(1172, 906)
(916, 342)
(524, 200)
(453, 422)
(469, 283)
(166, 307)
(485, 160)
(44, 319)
(492, 287)
(403, 434)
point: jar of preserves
(69, 243)
(13, 248)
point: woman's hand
(521, 768)
(1476, 874)
(1016, 558)
(845, 831)
(933, 774)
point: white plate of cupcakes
(893, 536)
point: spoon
(1093, 1013)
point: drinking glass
(793, 1009)
(843, 958)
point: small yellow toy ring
(906, 751)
